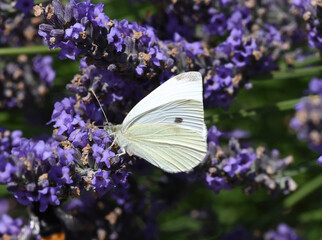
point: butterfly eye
(178, 120)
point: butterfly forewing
(184, 113)
(185, 86)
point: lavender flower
(99, 45)
(307, 119)
(109, 88)
(106, 217)
(216, 183)
(244, 167)
(283, 232)
(17, 27)
(101, 155)
(320, 160)
(7, 170)
(135, 54)
(23, 80)
(238, 233)
(43, 66)
(9, 226)
(44, 172)
(24, 5)
(310, 12)
(261, 39)
(9, 139)
(101, 182)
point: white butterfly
(167, 127)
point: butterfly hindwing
(169, 147)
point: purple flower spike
(315, 86)
(307, 120)
(63, 123)
(22, 197)
(214, 134)
(68, 50)
(78, 138)
(101, 182)
(216, 183)
(231, 166)
(217, 25)
(245, 160)
(97, 16)
(235, 37)
(74, 31)
(140, 69)
(24, 6)
(48, 196)
(101, 155)
(60, 175)
(43, 66)
(320, 160)
(7, 170)
(114, 37)
(244, 167)
(283, 232)
(10, 226)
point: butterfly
(167, 128)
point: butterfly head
(112, 129)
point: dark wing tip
(192, 76)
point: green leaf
(310, 216)
(210, 114)
(180, 224)
(308, 61)
(303, 192)
(29, 50)
(3, 190)
(288, 74)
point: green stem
(308, 61)
(280, 106)
(288, 74)
(306, 166)
(312, 60)
(304, 191)
(27, 50)
(311, 216)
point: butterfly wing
(167, 146)
(177, 101)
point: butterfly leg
(121, 153)
(114, 140)
(112, 144)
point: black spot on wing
(178, 120)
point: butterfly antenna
(99, 104)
